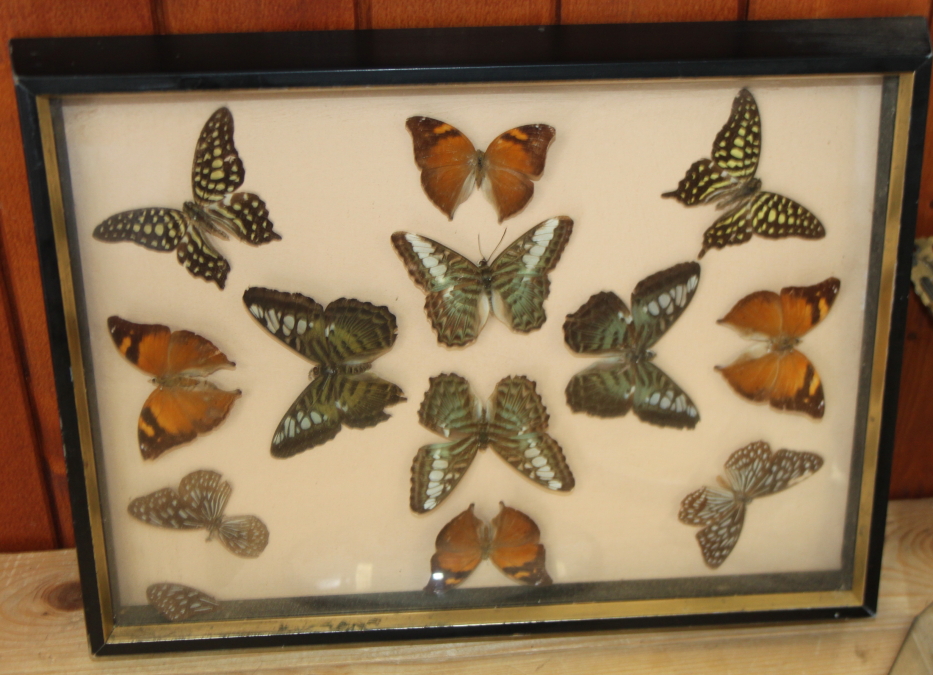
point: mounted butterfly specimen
(342, 340)
(513, 545)
(451, 166)
(751, 472)
(780, 375)
(177, 602)
(728, 180)
(183, 404)
(217, 209)
(513, 423)
(628, 379)
(199, 504)
(460, 293)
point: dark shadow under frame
(48, 69)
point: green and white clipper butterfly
(217, 209)
(460, 293)
(513, 423)
(343, 340)
(729, 180)
(628, 379)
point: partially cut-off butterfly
(751, 472)
(183, 404)
(451, 166)
(217, 209)
(781, 375)
(460, 294)
(513, 423)
(199, 504)
(177, 602)
(513, 545)
(628, 379)
(921, 272)
(342, 340)
(728, 179)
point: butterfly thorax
(176, 381)
(200, 215)
(784, 344)
(485, 276)
(741, 193)
(479, 166)
(339, 369)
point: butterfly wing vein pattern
(628, 379)
(200, 503)
(728, 179)
(751, 472)
(514, 423)
(342, 340)
(216, 173)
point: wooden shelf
(42, 631)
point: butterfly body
(217, 209)
(626, 378)
(728, 180)
(513, 423)
(460, 294)
(451, 166)
(199, 503)
(782, 375)
(512, 544)
(342, 340)
(751, 472)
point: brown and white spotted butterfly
(199, 504)
(461, 293)
(751, 472)
(513, 423)
(728, 179)
(450, 164)
(217, 209)
(177, 602)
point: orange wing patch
(451, 165)
(514, 547)
(183, 405)
(782, 376)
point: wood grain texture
(242, 16)
(35, 637)
(439, 14)
(835, 9)
(27, 18)
(638, 11)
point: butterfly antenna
(500, 242)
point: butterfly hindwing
(511, 163)
(196, 255)
(605, 389)
(245, 216)
(516, 547)
(176, 602)
(520, 274)
(155, 228)
(517, 424)
(245, 536)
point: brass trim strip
(78, 377)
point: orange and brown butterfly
(183, 404)
(177, 602)
(451, 166)
(728, 180)
(781, 375)
(513, 545)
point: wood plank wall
(33, 492)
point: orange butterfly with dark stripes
(782, 375)
(451, 166)
(183, 404)
(514, 546)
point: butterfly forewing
(189, 354)
(658, 400)
(205, 494)
(519, 273)
(603, 324)
(738, 143)
(516, 547)
(802, 307)
(459, 549)
(660, 299)
(517, 424)
(312, 420)
(217, 169)
(293, 318)
(436, 470)
(155, 228)
(177, 602)
(145, 345)
(775, 216)
(245, 536)
(164, 508)
(450, 407)
(456, 302)
(512, 161)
